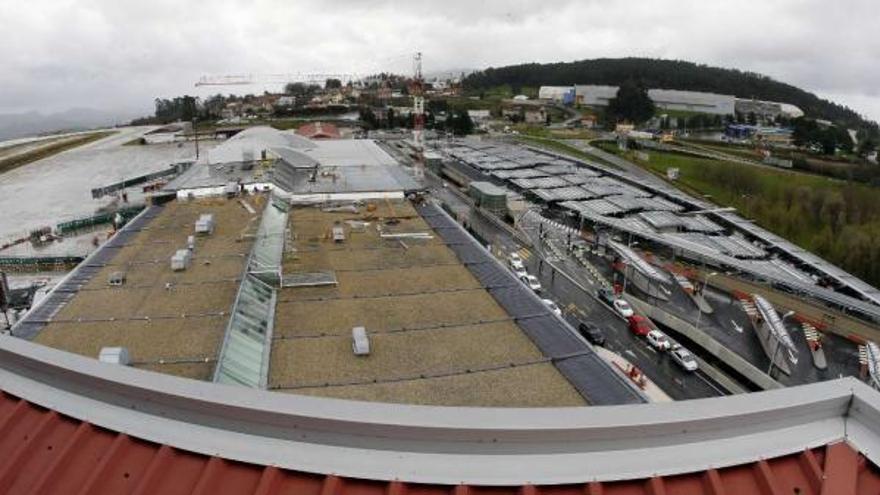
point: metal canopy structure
(633, 259)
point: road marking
(629, 352)
(737, 327)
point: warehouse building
(666, 99)
(559, 94)
(692, 101)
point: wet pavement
(58, 188)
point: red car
(639, 325)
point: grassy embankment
(560, 146)
(838, 220)
(21, 159)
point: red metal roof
(44, 452)
(319, 130)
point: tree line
(839, 222)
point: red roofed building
(319, 130)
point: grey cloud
(121, 54)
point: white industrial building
(693, 101)
(594, 95)
(766, 109)
(554, 93)
(667, 99)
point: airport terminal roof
(439, 334)
(169, 321)
(273, 293)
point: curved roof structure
(249, 144)
(70, 423)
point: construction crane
(302, 77)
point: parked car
(639, 325)
(552, 307)
(623, 308)
(531, 282)
(607, 295)
(515, 261)
(684, 358)
(591, 332)
(658, 340)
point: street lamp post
(196, 134)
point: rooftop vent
(338, 233)
(181, 260)
(360, 343)
(205, 224)
(116, 279)
(114, 355)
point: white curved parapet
(449, 445)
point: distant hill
(665, 74)
(16, 125)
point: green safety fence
(127, 214)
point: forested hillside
(665, 74)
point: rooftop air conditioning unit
(360, 343)
(191, 242)
(114, 355)
(116, 279)
(231, 189)
(205, 224)
(181, 260)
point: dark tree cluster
(828, 139)
(631, 104)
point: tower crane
(284, 78)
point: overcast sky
(119, 54)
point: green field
(838, 220)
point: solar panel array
(796, 268)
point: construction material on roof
(309, 279)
